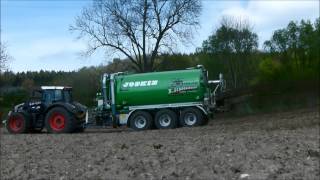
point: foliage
(269, 70)
(297, 45)
(296, 49)
(11, 98)
(168, 62)
(233, 36)
(233, 44)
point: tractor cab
(45, 96)
(52, 94)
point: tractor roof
(55, 87)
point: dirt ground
(270, 146)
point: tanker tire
(166, 119)
(18, 122)
(59, 120)
(141, 120)
(191, 117)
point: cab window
(67, 96)
(57, 95)
(47, 97)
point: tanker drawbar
(160, 100)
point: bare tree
(139, 29)
(4, 57)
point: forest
(286, 67)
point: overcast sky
(36, 31)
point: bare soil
(269, 146)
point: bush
(269, 70)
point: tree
(167, 62)
(4, 57)
(118, 65)
(28, 85)
(139, 29)
(297, 44)
(233, 42)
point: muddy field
(270, 146)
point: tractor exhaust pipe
(104, 88)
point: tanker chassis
(160, 100)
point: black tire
(18, 122)
(166, 119)
(59, 120)
(191, 117)
(36, 130)
(79, 129)
(141, 120)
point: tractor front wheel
(18, 122)
(59, 120)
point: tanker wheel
(18, 123)
(141, 120)
(191, 117)
(59, 120)
(166, 119)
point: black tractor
(50, 107)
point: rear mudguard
(76, 109)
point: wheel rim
(16, 123)
(57, 122)
(164, 120)
(140, 122)
(190, 119)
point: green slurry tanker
(160, 100)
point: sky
(37, 36)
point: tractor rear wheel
(18, 122)
(59, 120)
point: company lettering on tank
(140, 83)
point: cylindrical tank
(154, 88)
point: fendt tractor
(51, 107)
(162, 100)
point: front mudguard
(4, 122)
